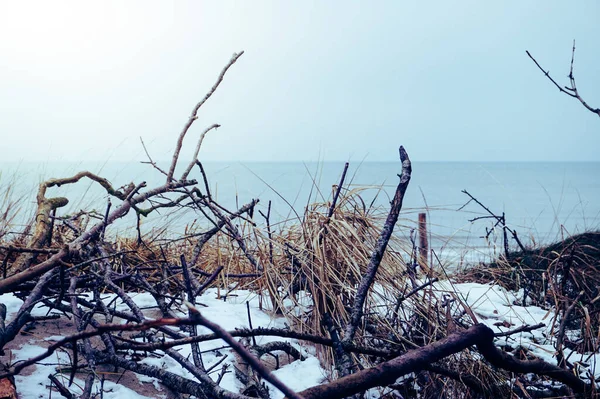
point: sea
(542, 202)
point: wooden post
(423, 243)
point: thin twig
(195, 156)
(569, 91)
(337, 191)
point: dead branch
(480, 335)
(382, 242)
(197, 151)
(560, 355)
(571, 90)
(64, 391)
(146, 325)
(244, 353)
(388, 372)
(93, 233)
(525, 328)
(337, 192)
(23, 315)
(234, 231)
(503, 360)
(13, 248)
(384, 354)
(500, 221)
(194, 115)
(257, 332)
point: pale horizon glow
(319, 81)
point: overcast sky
(319, 80)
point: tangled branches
(381, 325)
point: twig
(146, 325)
(234, 231)
(337, 192)
(150, 161)
(12, 248)
(250, 322)
(260, 331)
(196, 356)
(560, 356)
(195, 156)
(408, 295)
(500, 220)
(108, 205)
(205, 237)
(209, 280)
(569, 91)
(64, 391)
(525, 328)
(206, 388)
(269, 232)
(205, 179)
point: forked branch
(194, 115)
(571, 90)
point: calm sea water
(541, 201)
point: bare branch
(13, 248)
(419, 359)
(569, 91)
(244, 353)
(377, 255)
(337, 192)
(34, 271)
(194, 115)
(525, 328)
(197, 151)
(388, 372)
(150, 160)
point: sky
(328, 81)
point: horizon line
(297, 161)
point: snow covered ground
(230, 314)
(495, 307)
(492, 305)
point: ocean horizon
(542, 201)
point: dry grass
(9, 206)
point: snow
(495, 307)
(298, 375)
(230, 311)
(491, 304)
(144, 379)
(54, 338)
(35, 385)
